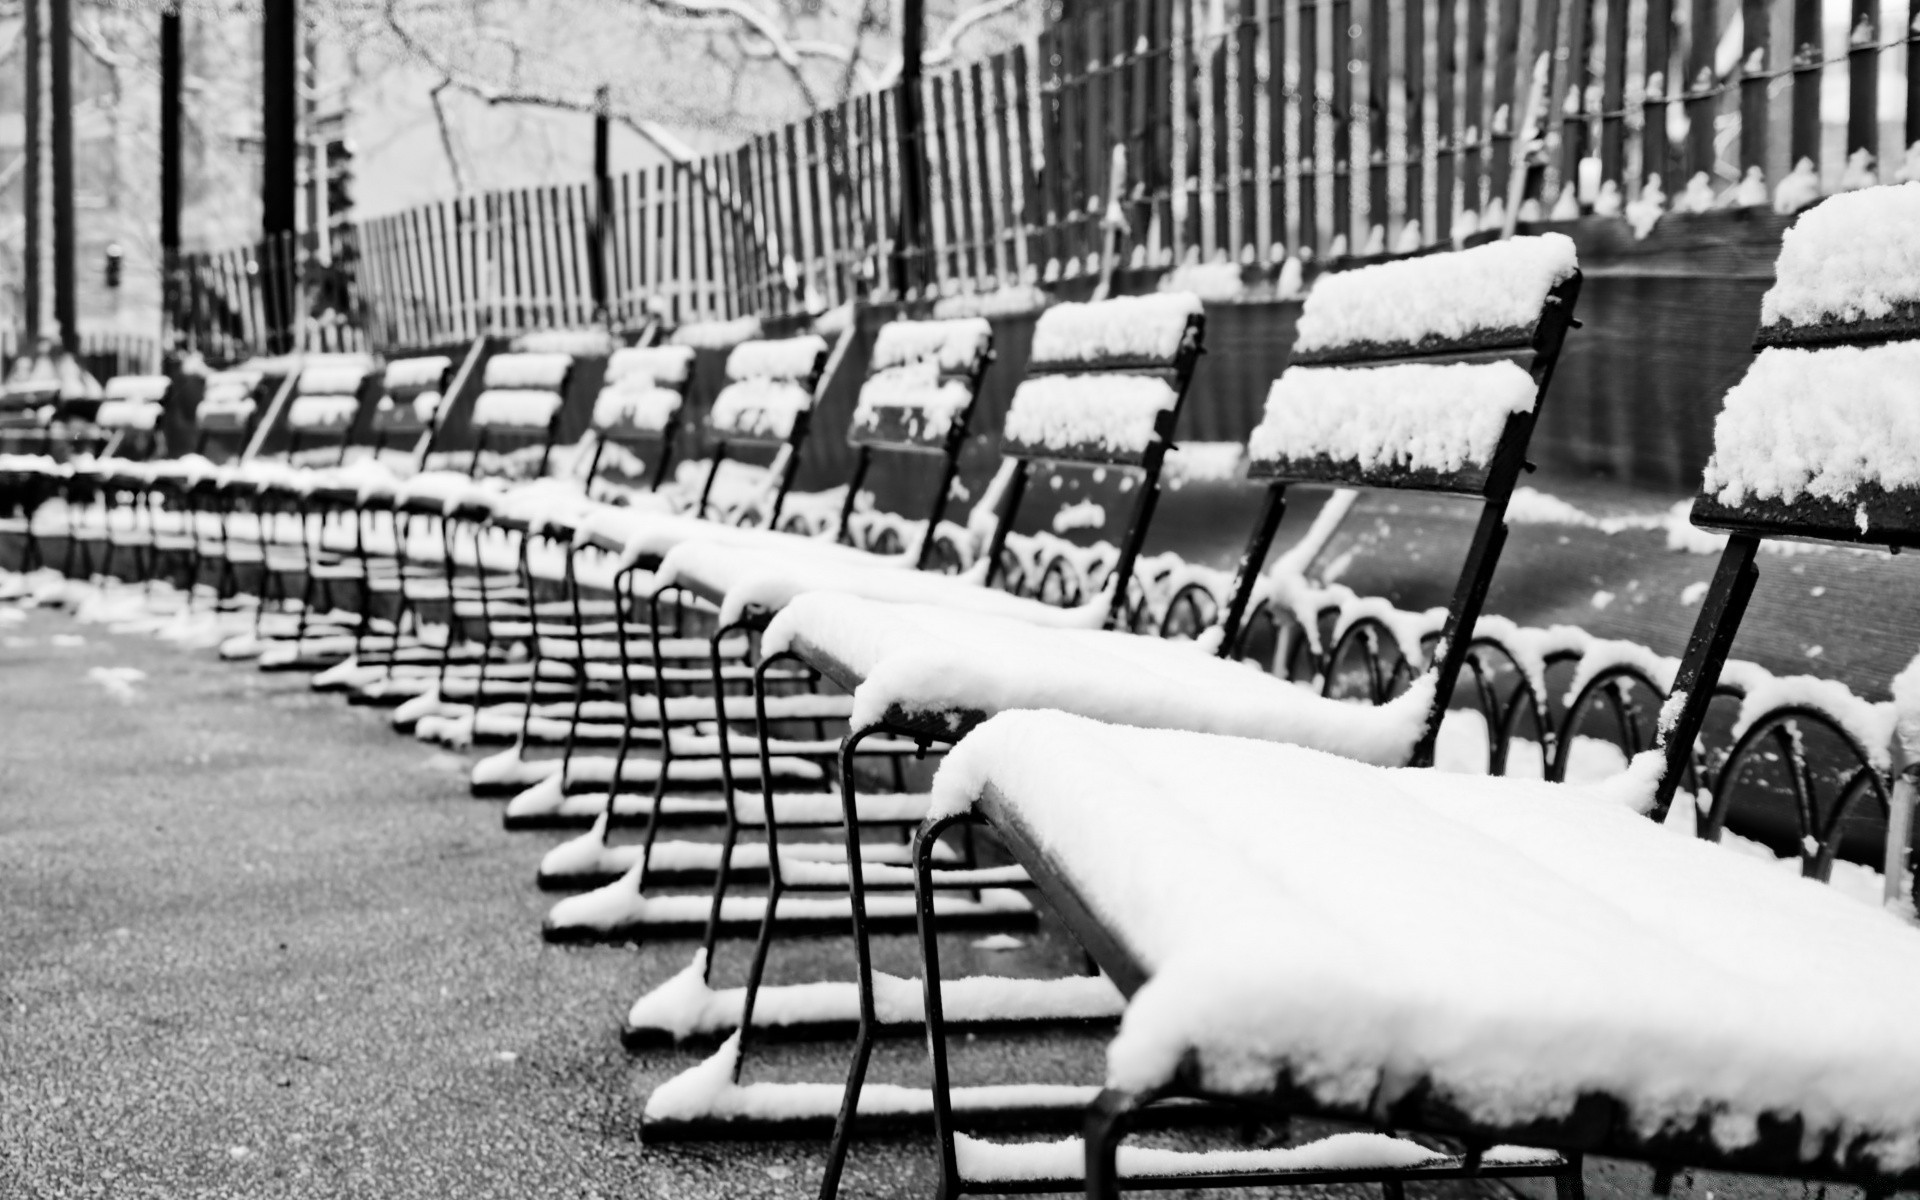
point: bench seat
(1515, 955)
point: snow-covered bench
(1104, 386)
(1252, 900)
(916, 401)
(1389, 393)
(640, 404)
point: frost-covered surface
(1129, 328)
(1410, 416)
(1266, 890)
(143, 388)
(759, 407)
(1115, 412)
(540, 371)
(515, 408)
(1871, 724)
(1499, 286)
(1820, 422)
(1852, 257)
(956, 345)
(716, 335)
(781, 358)
(660, 364)
(421, 372)
(574, 343)
(320, 411)
(929, 661)
(917, 393)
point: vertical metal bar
(912, 159)
(1863, 79)
(170, 90)
(1707, 649)
(60, 98)
(1756, 42)
(30, 181)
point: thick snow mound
(1115, 412)
(1819, 422)
(1498, 286)
(148, 388)
(1410, 416)
(782, 358)
(1267, 889)
(574, 343)
(332, 378)
(515, 408)
(128, 414)
(1852, 257)
(1128, 328)
(539, 371)
(956, 345)
(761, 406)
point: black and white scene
(698, 599)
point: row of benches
(1225, 882)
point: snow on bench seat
(1489, 296)
(913, 661)
(1502, 948)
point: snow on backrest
(1096, 416)
(546, 371)
(1849, 265)
(664, 365)
(1825, 423)
(322, 412)
(716, 335)
(759, 408)
(1491, 295)
(921, 377)
(1127, 330)
(574, 343)
(634, 402)
(1438, 419)
(515, 408)
(782, 358)
(416, 373)
(330, 379)
(957, 346)
(147, 388)
(228, 399)
(128, 414)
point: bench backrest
(229, 405)
(1821, 438)
(923, 379)
(413, 391)
(641, 402)
(1104, 385)
(1427, 374)
(326, 402)
(520, 400)
(767, 402)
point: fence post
(913, 159)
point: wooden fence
(1222, 131)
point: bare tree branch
(446, 136)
